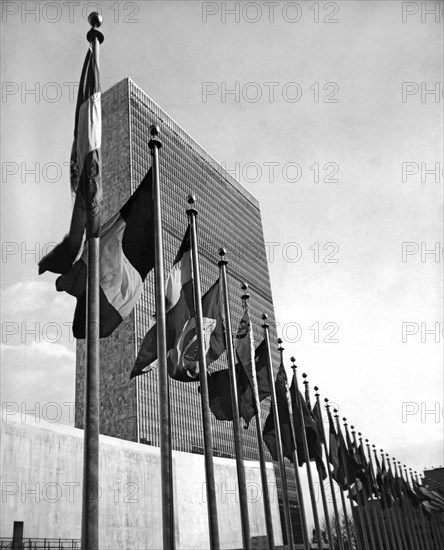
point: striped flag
(126, 257)
(182, 351)
(86, 175)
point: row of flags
(388, 510)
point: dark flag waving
(85, 171)
(219, 388)
(126, 256)
(334, 456)
(314, 438)
(269, 432)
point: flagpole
(260, 443)
(90, 495)
(425, 534)
(321, 481)
(277, 427)
(360, 513)
(427, 530)
(307, 456)
(410, 509)
(373, 509)
(341, 492)
(421, 526)
(347, 475)
(393, 512)
(168, 534)
(429, 525)
(394, 535)
(364, 497)
(243, 496)
(305, 537)
(330, 480)
(396, 511)
(206, 415)
(377, 500)
(405, 520)
(414, 513)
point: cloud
(35, 312)
(35, 297)
(38, 351)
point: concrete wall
(42, 481)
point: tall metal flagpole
(277, 429)
(243, 496)
(341, 492)
(423, 521)
(164, 409)
(90, 495)
(377, 500)
(321, 481)
(414, 513)
(260, 443)
(409, 508)
(403, 516)
(305, 537)
(394, 537)
(204, 397)
(364, 497)
(330, 479)
(347, 475)
(359, 508)
(307, 456)
(396, 515)
(421, 530)
(399, 540)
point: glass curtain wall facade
(229, 217)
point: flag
(220, 392)
(338, 473)
(182, 360)
(269, 432)
(383, 484)
(126, 256)
(352, 468)
(245, 355)
(367, 469)
(317, 416)
(183, 357)
(254, 364)
(311, 432)
(86, 175)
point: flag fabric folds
(182, 349)
(311, 431)
(219, 388)
(85, 163)
(334, 457)
(126, 257)
(269, 432)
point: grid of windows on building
(229, 217)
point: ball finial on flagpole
(154, 130)
(95, 19)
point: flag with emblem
(182, 360)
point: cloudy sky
(330, 114)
